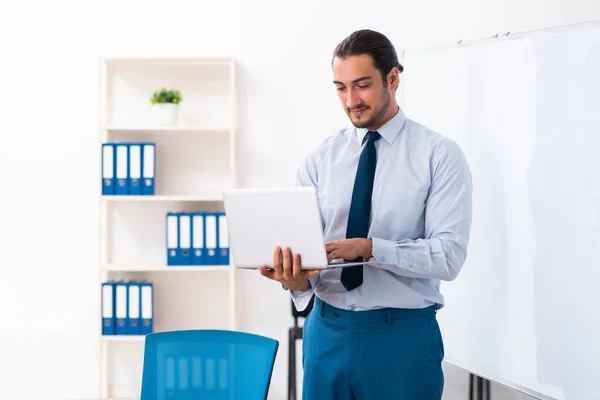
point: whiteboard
(526, 111)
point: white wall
(49, 160)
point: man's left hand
(349, 249)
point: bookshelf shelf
(166, 268)
(167, 61)
(123, 338)
(161, 198)
(195, 160)
(168, 129)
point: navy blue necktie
(360, 206)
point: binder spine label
(198, 239)
(172, 239)
(135, 169)
(122, 167)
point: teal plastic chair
(207, 364)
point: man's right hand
(287, 269)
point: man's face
(361, 90)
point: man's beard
(377, 115)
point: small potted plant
(166, 106)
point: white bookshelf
(195, 161)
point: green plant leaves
(166, 96)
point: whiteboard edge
(500, 37)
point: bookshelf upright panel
(194, 160)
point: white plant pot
(166, 113)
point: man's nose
(352, 99)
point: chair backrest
(207, 364)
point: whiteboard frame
(501, 36)
(476, 42)
(492, 39)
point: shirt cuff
(301, 298)
(385, 252)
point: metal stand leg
(479, 388)
(295, 333)
(292, 365)
(471, 397)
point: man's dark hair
(375, 44)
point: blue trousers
(372, 355)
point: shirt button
(352, 307)
(335, 315)
(382, 259)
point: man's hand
(287, 269)
(349, 249)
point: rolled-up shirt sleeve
(441, 253)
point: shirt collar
(389, 131)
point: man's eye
(340, 89)
(363, 86)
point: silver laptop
(258, 220)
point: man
(397, 194)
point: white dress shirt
(420, 215)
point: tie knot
(372, 136)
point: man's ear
(394, 78)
